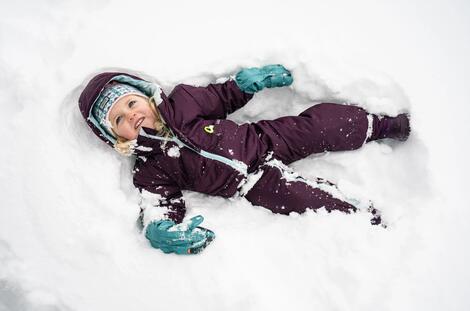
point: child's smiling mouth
(139, 122)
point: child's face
(129, 114)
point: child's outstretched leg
(282, 191)
(328, 127)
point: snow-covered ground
(68, 237)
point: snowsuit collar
(149, 142)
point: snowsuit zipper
(239, 166)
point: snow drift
(68, 234)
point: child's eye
(131, 103)
(118, 119)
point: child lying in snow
(183, 141)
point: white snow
(143, 148)
(241, 167)
(68, 234)
(370, 123)
(174, 152)
(150, 210)
(249, 181)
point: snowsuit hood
(92, 90)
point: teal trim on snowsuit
(238, 166)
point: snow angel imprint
(183, 141)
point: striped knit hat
(105, 101)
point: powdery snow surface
(68, 234)
(174, 152)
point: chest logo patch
(209, 129)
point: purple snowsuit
(216, 156)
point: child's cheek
(130, 130)
(127, 132)
(148, 122)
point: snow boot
(391, 127)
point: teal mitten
(184, 238)
(252, 80)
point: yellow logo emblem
(209, 129)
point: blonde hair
(126, 147)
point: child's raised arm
(214, 101)
(217, 100)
